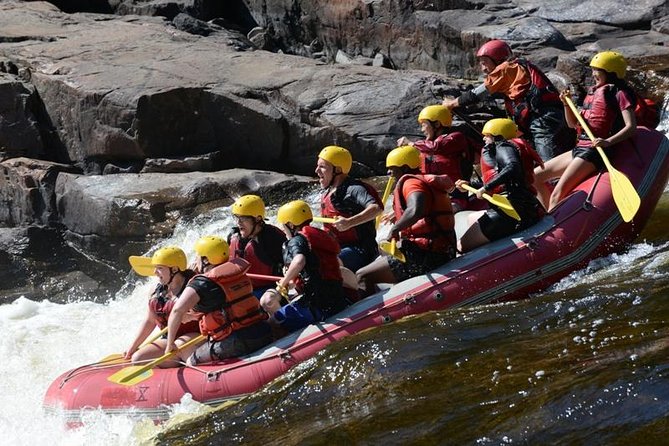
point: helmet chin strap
(334, 175)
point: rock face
(118, 117)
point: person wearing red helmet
(531, 100)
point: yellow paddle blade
(131, 375)
(134, 374)
(504, 204)
(324, 220)
(386, 194)
(624, 195)
(391, 248)
(498, 200)
(142, 265)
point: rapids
(586, 359)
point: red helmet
(497, 50)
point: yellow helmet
(436, 113)
(249, 206)
(170, 256)
(215, 249)
(338, 157)
(611, 62)
(404, 156)
(503, 127)
(295, 212)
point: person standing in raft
(423, 222)
(231, 316)
(442, 152)
(169, 266)
(312, 264)
(257, 242)
(608, 109)
(353, 203)
(507, 166)
(530, 98)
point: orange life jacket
(434, 232)
(239, 309)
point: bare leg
(552, 169)
(376, 272)
(271, 301)
(577, 170)
(472, 238)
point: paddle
(498, 200)
(390, 247)
(386, 194)
(324, 219)
(264, 277)
(118, 356)
(129, 376)
(625, 196)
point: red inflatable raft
(586, 225)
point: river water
(586, 361)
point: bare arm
(367, 214)
(629, 118)
(184, 304)
(144, 331)
(414, 211)
(296, 265)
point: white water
(44, 339)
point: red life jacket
(253, 253)
(240, 307)
(601, 112)
(326, 249)
(529, 159)
(541, 95)
(448, 154)
(333, 209)
(161, 306)
(434, 232)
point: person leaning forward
(530, 98)
(353, 203)
(423, 222)
(311, 258)
(231, 318)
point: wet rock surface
(142, 112)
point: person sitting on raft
(169, 266)
(442, 152)
(231, 316)
(423, 222)
(507, 166)
(353, 203)
(608, 109)
(256, 241)
(312, 264)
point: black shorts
(418, 261)
(496, 224)
(588, 154)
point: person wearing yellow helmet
(256, 241)
(228, 312)
(312, 265)
(442, 152)
(608, 109)
(530, 98)
(422, 219)
(353, 203)
(507, 167)
(169, 265)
